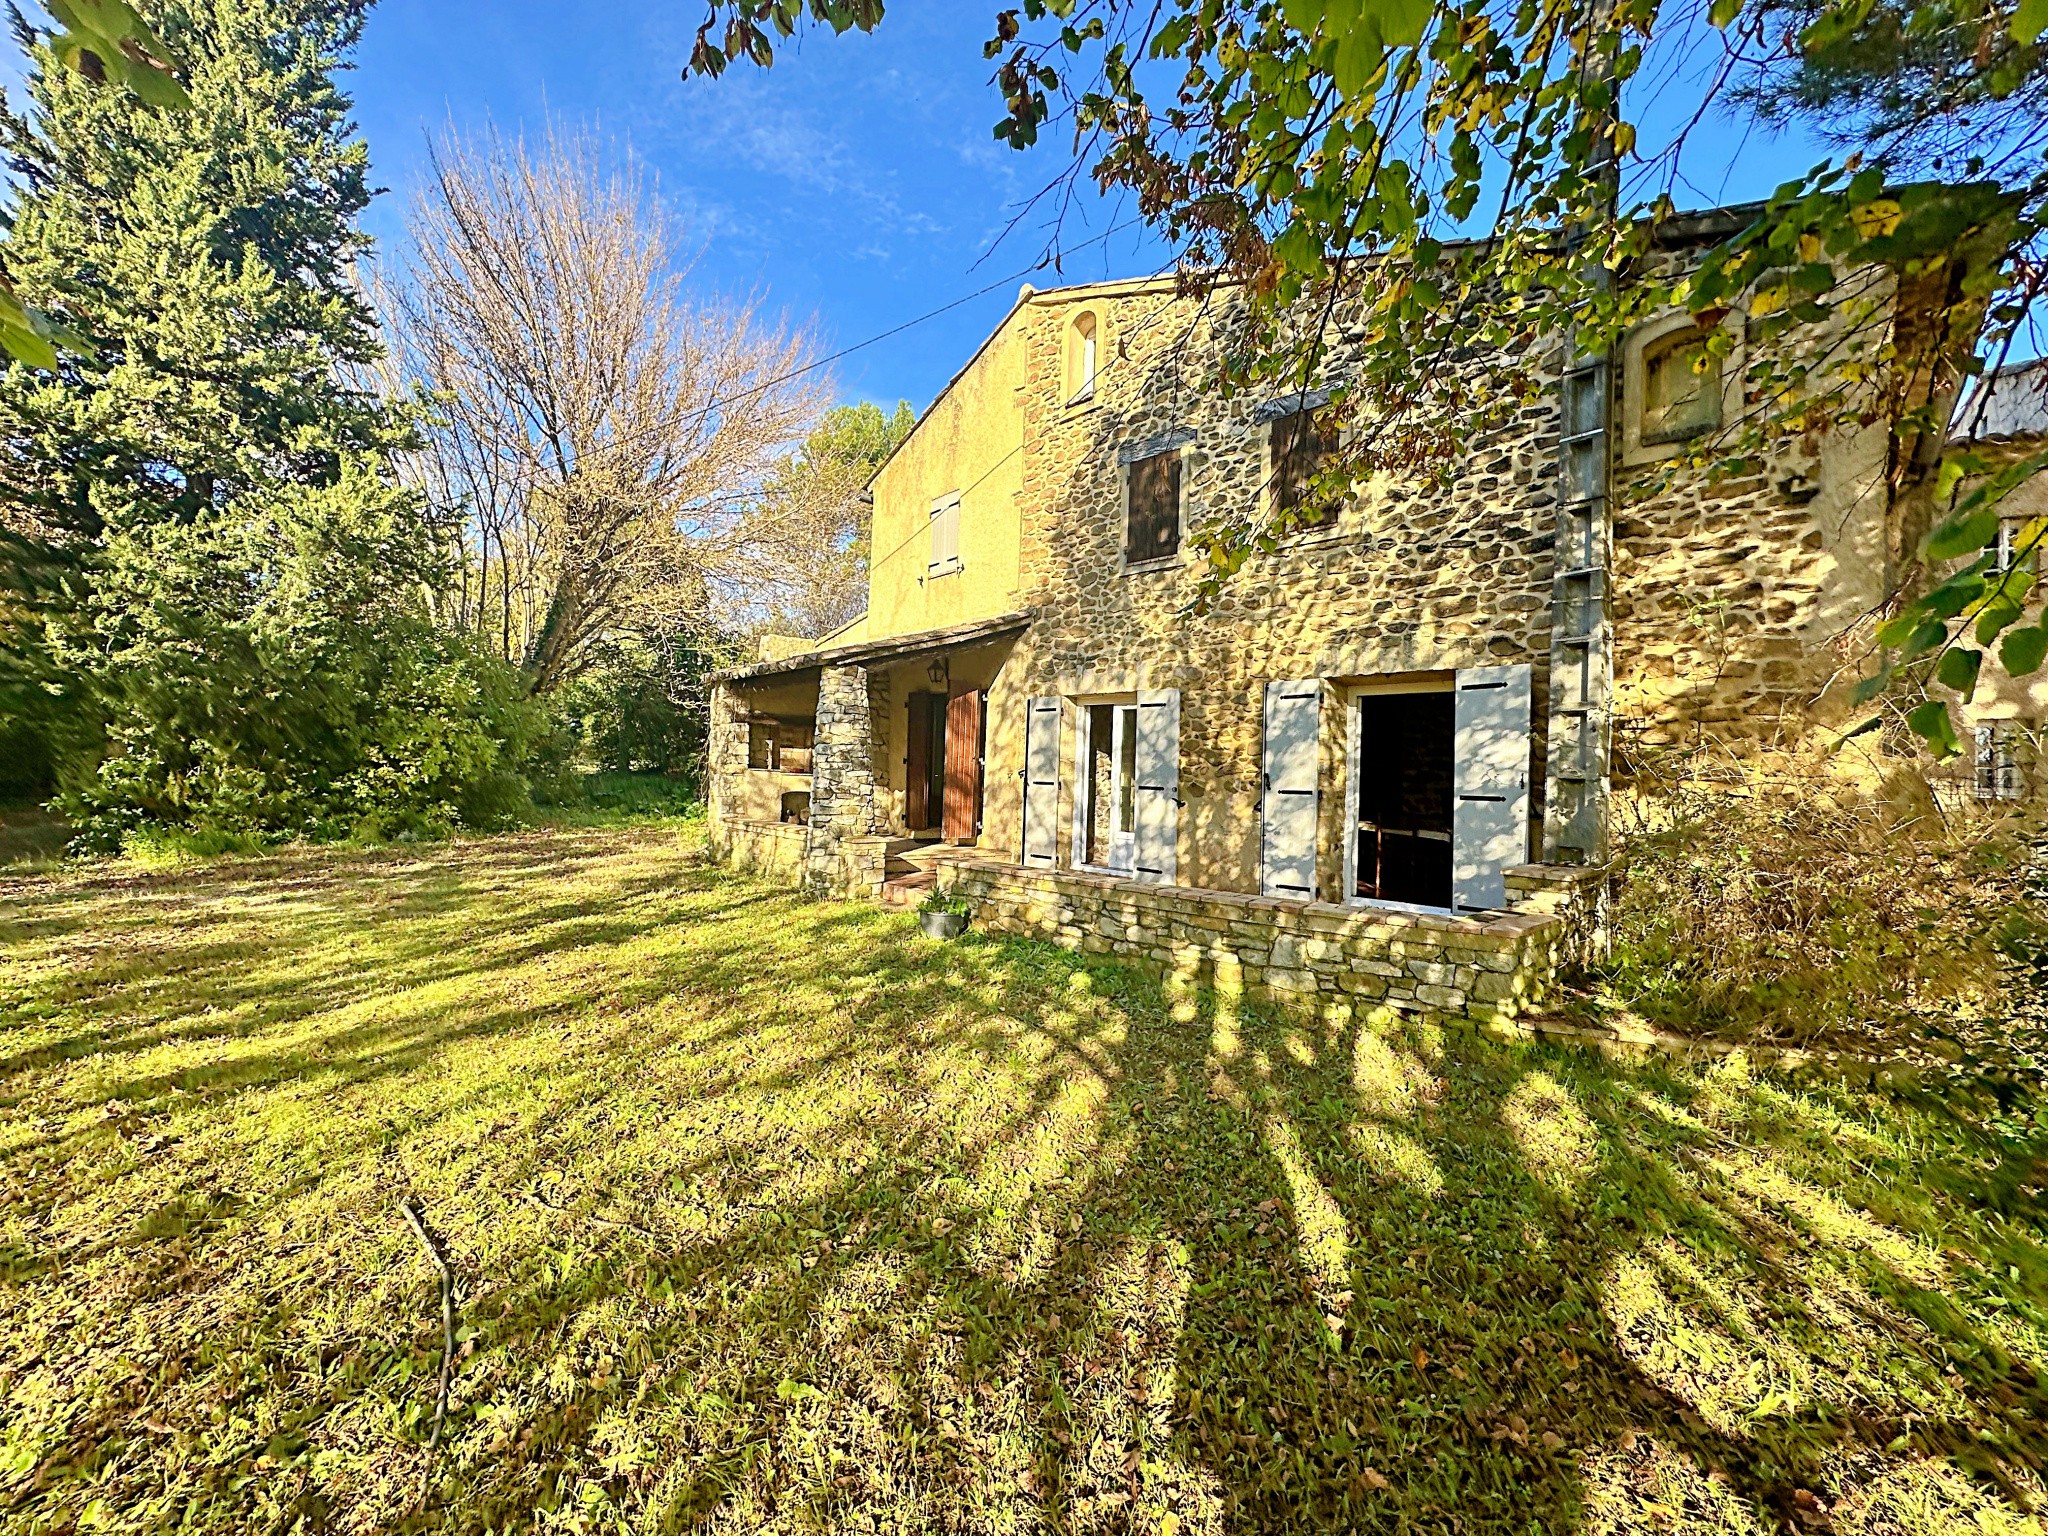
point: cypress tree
(217, 580)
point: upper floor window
(1081, 358)
(1681, 388)
(1152, 507)
(1300, 444)
(1997, 763)
(2013, 547)
(945, 523)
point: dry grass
(775, 1216)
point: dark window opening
(1406, 746)
(781, 746)
(1152, 530)
(1299, 448)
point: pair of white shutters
(1155, 790)
(1490, 786)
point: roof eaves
(887, 648)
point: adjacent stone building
(1330, 782)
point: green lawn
(777, 1216)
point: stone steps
(908, 890)
(910, 856)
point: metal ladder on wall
(1581, 659)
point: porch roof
(888, 648)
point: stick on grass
(433, 1247)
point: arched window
(1081, 355)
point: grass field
(770, 1216)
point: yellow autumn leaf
(1874, 219)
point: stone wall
(725, 752)
(1405, 581)
(1729, 598)
(843, 851)
(774, 850)
(1316, 955)
(842, 778)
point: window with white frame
(2015, 546)
(1082, 343)
(945, 526)
(1997, 762)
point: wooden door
(963, 764)
(917, 765)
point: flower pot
(943, 925)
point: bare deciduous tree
(601, 428)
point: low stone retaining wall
(791, 854)
(772, 849)
(1314, 954)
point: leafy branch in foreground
(105, 41)
(1431, 177)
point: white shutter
(1490, 804)
(945, 526)
(1041, 782)
(1158, 785)
(1287, 854)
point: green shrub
(152, 847)
(281, 676)
(1782, 897)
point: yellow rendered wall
(970, 441)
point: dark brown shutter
(1298, 450)
(963, 764)
(917, 768)
(1153, 529)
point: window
(1109, 785)
(1681, 389)
(1127, 786)
(1081, 359)
(1998, 768)
(780, 746)
(1299, 447)
(945, 555)
(2016, 546)
(1152, 508)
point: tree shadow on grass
(780, 1217)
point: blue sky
(856, 180)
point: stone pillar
(882, 749)
(725, 765)
(842, 779)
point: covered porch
(842, 770)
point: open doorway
(1109, 787)
(1403, 789)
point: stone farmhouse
(1374, 771)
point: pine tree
(212, 561)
